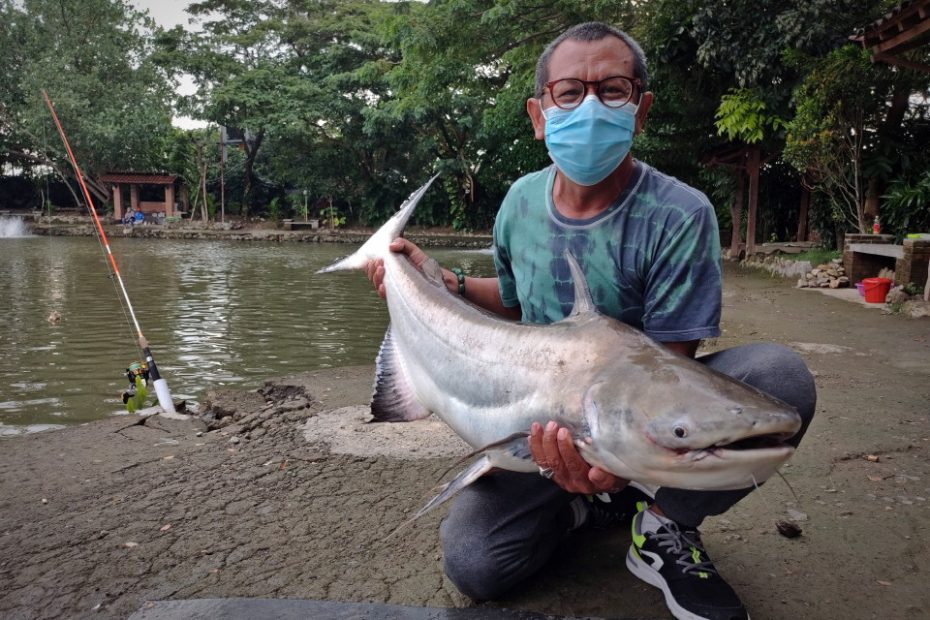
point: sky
(168, 14)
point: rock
(897, 296)
(234, 440)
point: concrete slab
(846, 294)
(294, 609)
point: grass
(816, 256)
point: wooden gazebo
(118, 181)
(904, 28)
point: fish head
(701, 432)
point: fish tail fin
(377, 245)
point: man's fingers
(550, 446)
(605, 481)
(573, 461)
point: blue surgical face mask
(587, 143)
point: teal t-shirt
(652, 259)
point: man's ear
(642, 111)
(534, 109)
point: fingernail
(563, 433)
(551, 425)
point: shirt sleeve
(506, 282)
(683, 287)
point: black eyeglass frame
(634, 82)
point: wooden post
(169, 200)
(134, 197)
(753, 169)
(222, 178)
(736, 216)
(117, 203)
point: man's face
(588, 61)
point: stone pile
(827, 275)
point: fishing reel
(136, 370)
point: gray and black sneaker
(608, 510)
(672, 558)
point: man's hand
(553, 448)
(375, 269)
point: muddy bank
(271, 506)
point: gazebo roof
(903, 28)
(138, 178)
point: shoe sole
(652, 577)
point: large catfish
(635, 408)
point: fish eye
(680, 431)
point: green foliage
(742, 116)
(816, 256)
(359, 101)
(95, 60)
(907, 206)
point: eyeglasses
(614, 92)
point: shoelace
(672, 538)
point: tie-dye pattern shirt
(652, 259)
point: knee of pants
(779, 371)
(469, 564)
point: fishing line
(161, 386)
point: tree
(851, 132)
(94, 59)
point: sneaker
(608, 510)
(672, 558)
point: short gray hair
(591, 31)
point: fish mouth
(772, 442)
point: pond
(214, 313)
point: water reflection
(215, 314)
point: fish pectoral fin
(449, 489)
(394, 399)
(432, 272)
(511, 453)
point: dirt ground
(97, 519)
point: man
(649, 248)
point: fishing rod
(161, 386)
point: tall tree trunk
(753, 164)
(803, 210)
(736, 216)
(887, 130)
(251, 150)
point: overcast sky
(168, 14)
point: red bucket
(876, 289)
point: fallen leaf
(130, 544)
(882, 582)
(165, 527)
(169, 457)
(872, 458)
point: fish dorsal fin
(583, 302)
(393, 399)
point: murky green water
(214, 313)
